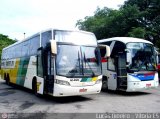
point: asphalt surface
(14, 99)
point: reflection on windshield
(77, 61)
(142, 57)
(76, 37)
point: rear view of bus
(131, 65)
(55, 62)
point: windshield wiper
(74, 70)
(82, 62)
(146, 62)
(93, 74)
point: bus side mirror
(108, 51)
(105, 50)
(53, 47)
(157, 61)
(129, 57)
(157, 57)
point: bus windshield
(142, 57)
(75, 37)
(78, 61)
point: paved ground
(15, 99)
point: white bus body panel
(112, 80)
(104, 68)
(62, 90)
(111, 76)
(40, 85)
(31, 72)
(134, 84)
(75, 87)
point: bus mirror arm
(127, 50)
(107, 50)
(127, 64)
(53, 47)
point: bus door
(121, 71)
(49, 71)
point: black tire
(34, 87)
(7, 80)
(104, 84)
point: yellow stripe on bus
(14, 72)
(94, 78)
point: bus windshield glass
(76, 37)
(142, 57)
(78, 61)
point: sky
(31, 16)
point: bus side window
(46, 37)
(34, 45)
(25, 49)
(111, 64)
(39, 64)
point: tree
(110, 23)
(97, 22)
(136, 18)
(149, 17)
(4, 42)
(137, 32)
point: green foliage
(137, 32)
(157, 44)
(136, 18)
(4, 42)
(149, 17)
(110, 23)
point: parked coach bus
(55, 62)
(131, 65)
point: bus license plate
(148, 85)
(83, 90)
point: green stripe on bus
(22, 70)
(86, 79)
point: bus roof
(45, 31)
(124, 40)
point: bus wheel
(7, 79)
(104, 84)
(34, 87)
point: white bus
(131, 65)
(54, 62)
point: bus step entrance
(122, 82)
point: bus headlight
(62, 82)
(98, 81)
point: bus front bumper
(63, 90)
(142, 85)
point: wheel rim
(105, 85)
